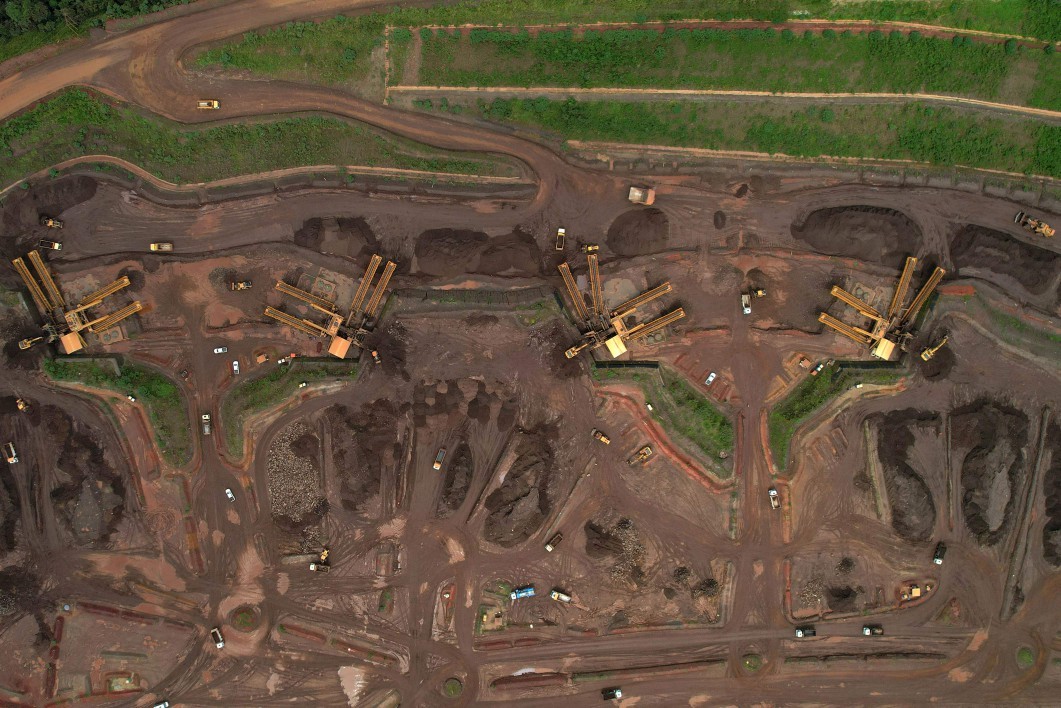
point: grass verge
(254, 395)
(681, 409)
(733, 59)
(914, 131)
(75, 123)
(814, 392)
(160, 397)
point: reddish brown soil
(872, 234)
(360, 439)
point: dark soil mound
(601, 542)
(458, 479)
(362, 443)
(843, 598)
(518, 507)
(514, 254)
(311, 235)
(553, 339)
(867, 233)
(913, 510)
(638, 232)
(742, 191)
(136, 278)
(449, 252)
(506, 417)
(938, 367)
(719, 219)
(22, 211)
(479, 407)
(444, 397)
(306, 445)
(993, 470)
(977, 247)
(1052, 492)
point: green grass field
(918, 132)
(75, 123)
(160, 397)
(813, 393)
(254, 395)
(734, 59)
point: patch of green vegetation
(914, 131)
(160, 397)
(75, 123)
(814, 392)
(254, 395)
(245, 618)
(751, 662)
(733, 59)
(1029, 18)
(401, 40)
(452, 687)
(1025, 657)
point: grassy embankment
(254, 395)
(75, 123)
(683, 410)
(918, 132)
(733, 60)
(160, 397)
(813, 393)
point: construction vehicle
(219, 640)
(608, 328)
(561, 235)
(522, 592)
(206, 423)
(889, 333)
(805, 631)
(351, 330)
(375, 357)
(758, 292)
(229, 494)
(9, 453)
(240, 285)
(939, 553)
(161, 246)
(22, 404)
(602, 437)
(50, 245)
(438, 459)
(611, 694)
(641, 455)
(931, 351)
(642, 195)
(590, 248)
(775, 498)
(63, 322)
(51, 223)
(559, 595)
(872, 630)
(554, 542)
(208, 104)
(325, 552)
(320, 568)
(746, 303)
(1036, 226)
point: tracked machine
(1035, 226)
(343, 331)
(608, 328)
(890, 333)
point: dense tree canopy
(21, 16)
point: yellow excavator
(1036, 226)
(931, 351)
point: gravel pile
(294, 482)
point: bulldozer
(240, 285)
(930, 352)
(1036, 226)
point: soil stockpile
(518, 507)
(979, 248)
(1052, 493)
(913, 510)
(620, 546)
(294, 479)
(457, 480)
(343, 237)
(866, 233)
(22, 211)
(450, 252)
(638, 232)
(992, 437)
(361, 443)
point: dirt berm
(1052, 493)
(978, 248)
(866, 233)
(992, 436)
(913, 510)
(458, 479)
(450, 252)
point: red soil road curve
(661, 442)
